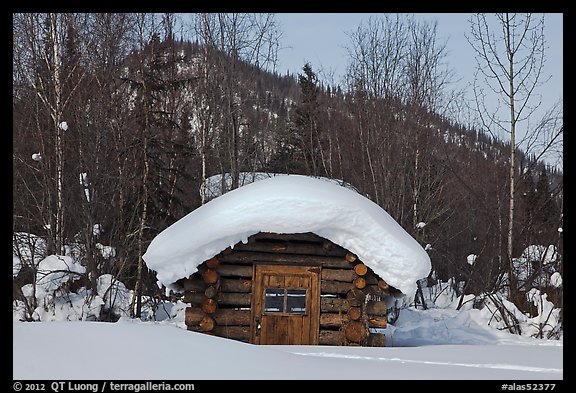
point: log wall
(219, 294)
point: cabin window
(285, 300)
(274, 300)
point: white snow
(420, 225)
(123, 350)
(106, 251)
(556, 279)
(290, 204)
(114, 294)
(97, 230)
(63, 126)
(37, 157)
(471, 259)
(55, 270)
(84, 179)
(219, 184)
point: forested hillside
(118, 119)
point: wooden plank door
(285, 305)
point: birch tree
(510, 58)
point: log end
(383, 284)
(209, 306)
(212, 263)
(360, 269)
(350, 257)
(210, 276)
(355, 331)
(360, 282)
(354, 313)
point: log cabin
(291, 260)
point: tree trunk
(56, 114)
(513, 119)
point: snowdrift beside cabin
(290, 204)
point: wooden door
(285, 305)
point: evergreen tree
(307, 129)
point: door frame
(312, 298)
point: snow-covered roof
(290, 204)
(216, 183)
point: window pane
(274, 300)
(296, 301)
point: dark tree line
(118, 119)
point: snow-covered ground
(161, 351)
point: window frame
(284, 311)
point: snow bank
(122, 350)
(54, 271)
(290, 204)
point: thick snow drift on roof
(290, 204)
(215, 183)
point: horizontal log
(230, 284)
(193, 316)
(235, 285)
(329, 247)
(332, 320)
(370, 277)
(234, 299)
(331, 304)
(226, 251)
(377, 322)
(350, 258)
(338, 275)
(246, 257)
(334, 287)
(231, 317)
(376, 340)
(377, 308)
(222, 317)
(194, 298)
(355, 331)
(223, 298)
(193, 284)
(375, 290)
(302, 237)
(235, 271)
(360, 269)
(290, 248)
(241, 333)
(331, 337)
